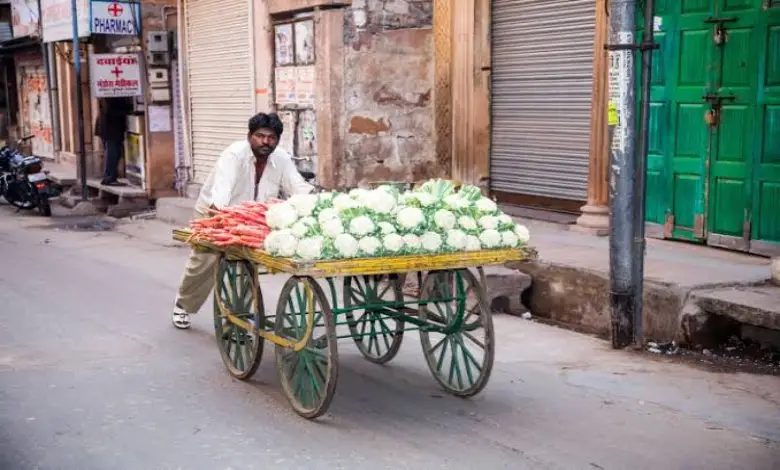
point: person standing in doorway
(111, 126)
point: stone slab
(571, 280)
(751, 305)
(127, 191)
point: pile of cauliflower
(432, 219)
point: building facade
(129, 41)
(531, 82)
(508, 95)
(353, 82)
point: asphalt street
(93, 376)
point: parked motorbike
(23, 182)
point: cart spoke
(474, 339)
(439, 344)
(440, 363)
(363, 325)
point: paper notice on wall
(304, 86)
(159, 118)
(287, 142)
(621, 64)
(284, 85)
(658, 23)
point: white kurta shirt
(232, 180)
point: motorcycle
(23, 182)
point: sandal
(181, 319)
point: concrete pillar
(595, 214)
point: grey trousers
(197, 280)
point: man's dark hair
(266, 121)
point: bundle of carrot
(241, 225)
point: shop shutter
(219, 75)
(542, 75)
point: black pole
(622, 174)
(641, 176)
(79, 101)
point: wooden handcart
(451, 314)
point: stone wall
(388, 86)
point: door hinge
(668, 226)
(698, 226)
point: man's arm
(292, 181)
(224, 180)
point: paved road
(92, 376)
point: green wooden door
(678, 136)
(714, 127)
(765, 177)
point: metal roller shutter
(219, 75)
(542, 74)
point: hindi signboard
(115, 75)
(117, 18)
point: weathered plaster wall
(388, 87)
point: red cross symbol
(115, 9)
(116, 72)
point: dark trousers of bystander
(113, 155)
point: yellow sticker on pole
(613, 114)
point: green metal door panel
(765, 211)
(658, 130)
(688, 150)
(695, 6)
(734, 73)
(655, 203)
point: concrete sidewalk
(571, 279)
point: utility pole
(627, 174)
(638, 254)
(79, 100)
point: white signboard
(57, 19)
(24, 17)
(115, 18)
(115, 75)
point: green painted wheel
(462, 359)
(377, 335)
(308, 376)
(238, 292)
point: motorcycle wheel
(44, 206)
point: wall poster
(304, 42)
(34, 109)
(283, 44)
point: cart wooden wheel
(377, 335)
(237, 293)
(308, 368)
(460, 351)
